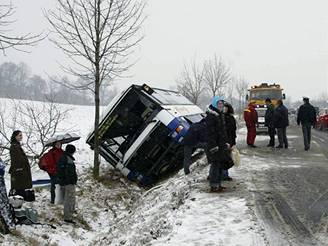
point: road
(291, 189)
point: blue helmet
(215, 100)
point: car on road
(322, 120)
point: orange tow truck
(257, 94)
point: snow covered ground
(178, 211)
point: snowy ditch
(178, 211)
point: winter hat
(70, 148)
(215, 100)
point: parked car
(142, 130)
(322, 120)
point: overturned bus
(141, 132)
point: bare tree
(38, 122)
(7, 12)
(241, 88)
(191, 83)
(230, 92)
(217, 75)
(97, 36)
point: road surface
(291, 190)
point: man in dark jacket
(67, 178)
(280, 121)
(195, 138)
(269, 121)
(307, 117)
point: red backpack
(43, 162)
(48, 161)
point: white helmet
(16, 201)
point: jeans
(69, 202)
(215, 174)
(306, 128)
(282, 137)
(225, 173)
(53, 182)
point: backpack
(27, 216)
(46, 160)
(42, 162)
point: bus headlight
(179, 129)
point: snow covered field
(178, 211)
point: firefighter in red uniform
(250, 117)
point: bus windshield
(264, 94)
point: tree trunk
(96, 162)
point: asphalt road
(291, 197)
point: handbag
(226, 160)
(235, 155)
(29, 195)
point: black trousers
(306, 128)
(282, 137)
(271, 132)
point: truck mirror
(284, 96)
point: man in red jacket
(49, 161)
(250, 117)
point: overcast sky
(281, 41)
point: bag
(235, 155)
(29, 196)
(27, 216)
(226, 160)
(16, 201)
(42, 163)
(60, 192)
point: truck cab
(257, 94)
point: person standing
(195, 138)
(216, 140)
(67, 178)
(269, 121)
(280, 121)
(250, 117)
(5, 211)
(231, 128)
(20, 170)
(307, 117)
(49, 162)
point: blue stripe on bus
(174, 124)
